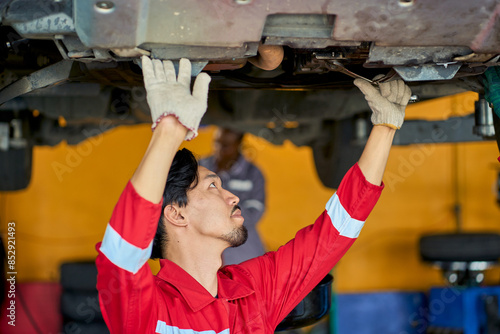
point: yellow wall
(64, 211)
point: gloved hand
(388, 101)
(168, 95)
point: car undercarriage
(69, 69)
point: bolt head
(104, 6)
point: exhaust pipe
(268, 57)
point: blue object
(445, 308)
(375, 313)
(460, 308)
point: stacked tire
(79, 299)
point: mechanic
(200, 219)
(245, 180)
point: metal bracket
(47, 76)
(428, 72)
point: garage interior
(382, 285)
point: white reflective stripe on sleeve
(122, 253)
(163, 328)
(343, 222)
(253, 203)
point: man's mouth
(236, 210)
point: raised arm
(388, 103)
(176, 114)
(124, 281)
(284, 277)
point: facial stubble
(236, 237)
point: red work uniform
(253, 297)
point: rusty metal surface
(407, 56)
(230, 24)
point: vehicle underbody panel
(76, 63)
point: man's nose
(232, 198)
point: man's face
(213, 211)
(226, 148)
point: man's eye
(212, 185)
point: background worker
(179, 210)
(243, 179)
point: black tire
(311, 308)
(82, 306)
(74, 327)
(460, 247)
(15, 168)
(336, 150)
(79, 276)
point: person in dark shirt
(245, 180)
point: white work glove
(168, 95)
(387, 101)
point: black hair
(182, 177)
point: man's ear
(173, 215)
